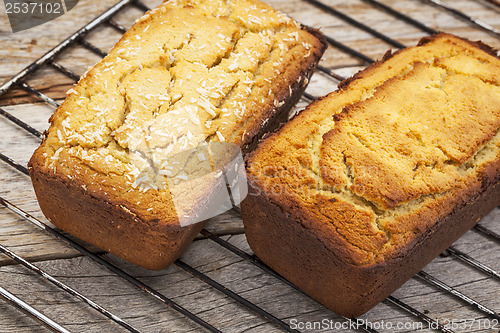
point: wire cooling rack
(482, 312)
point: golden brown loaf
(188, 72)
(368, 184)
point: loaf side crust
(84, 173)
(341, 223)
(308, 257)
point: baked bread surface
(187, 73)
(368, 184)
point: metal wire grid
(107, 18)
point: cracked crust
(380, 176)
(187, 73)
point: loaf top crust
(374, 165)
(186, 73)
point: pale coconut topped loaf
(372, 172)
(187, 73)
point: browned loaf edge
(153, 240)
(279, 116)
(295, 239)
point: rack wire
(106, 18)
